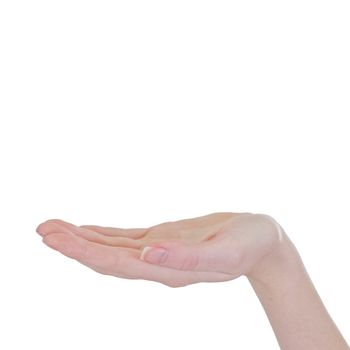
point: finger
(88, 253)
(56, 225)
(219, 255)
(134, 233)
(138, 233)
(119, 263)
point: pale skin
(212, 248)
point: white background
(132, 113)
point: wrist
(291, 302)
(280, 266)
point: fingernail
(154, 255)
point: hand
(212, 248)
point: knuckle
(190, 262)
(174, 284)
(237, 258)
(85, 251)
(169, 283)
(112, 262)
(271, 225)
(264, 218)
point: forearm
(296, 313)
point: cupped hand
(212, 248)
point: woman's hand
(212, 248)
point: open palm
(202, 249)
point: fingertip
(38, 229)
(47, 240)
(56, 221)
(63, 243)
(42, 228)
(52, 226)
(53, 240)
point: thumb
(218, 256)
